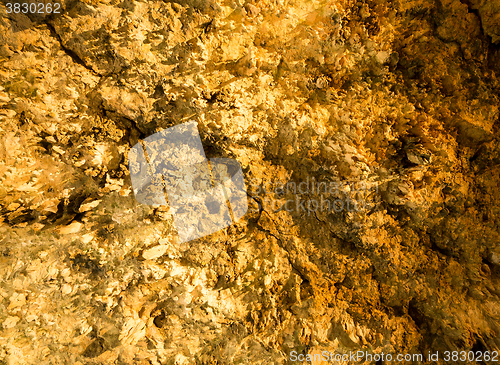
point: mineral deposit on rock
(389, 107)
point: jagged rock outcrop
(392, 106)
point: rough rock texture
(399, 95)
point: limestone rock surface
(389, 107)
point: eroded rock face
(393, 107)
(489, 12)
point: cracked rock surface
(393, 106)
